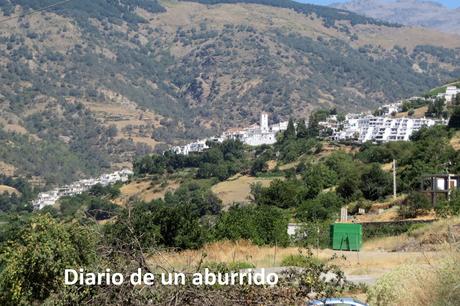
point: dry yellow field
(145, 191)
(10, 190)
(418, 113)
(455, 141)
(7, 169)
(237, 189)
(367, 262)
(435, 236)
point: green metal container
(346, 236)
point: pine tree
(454, 121)
(290, 131)
(302, 131)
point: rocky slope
(91, 84)
(429, 14)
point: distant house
(451, 93)
(439, 186)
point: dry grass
(374, 263)
(289, 166)
(226, 251)
(10, 190)
(432, 283)
(455, 141)
(435, 236)
(418, 113)
(238, 188)
(145, 190)
(7, 169)
(271, 164)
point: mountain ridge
(429, 14)
(189, 72)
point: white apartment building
(382, 129)
(451, 93)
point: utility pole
(394, 178)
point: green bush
(299, 260)
(414, 205)
(450, 207)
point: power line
(34, 11)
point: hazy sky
(449, 3)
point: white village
(51, 197)
(357, 128)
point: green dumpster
(346, 236)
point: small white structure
(451, 93)
(197, 146)
(264, 122)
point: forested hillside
(102, 81)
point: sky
(448, 3)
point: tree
(302, 131)
(454, 121)
(259, 165)
(348, 188)
(414, 205)
(323, 207)
(449, 207)
(282, 194)
(261, 225)
(457, 99)
(32, 264)
(375, 183)
(290, 133)
(436, 109)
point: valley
(190, 70)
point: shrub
(323, 207)
(300, 260)
(375, 183)
(419, 285)
(414, 205)
(449, 208)
(32, 264)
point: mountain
(418, 13)
(89, 85)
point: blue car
(336, 301)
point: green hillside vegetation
(311, 193)
(199, 77)
(442, 89)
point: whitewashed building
(254, 135)
(382, 129)
(257, 135)
(451, 93)
(51, 197)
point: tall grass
(420, 284)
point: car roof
(326, 301)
